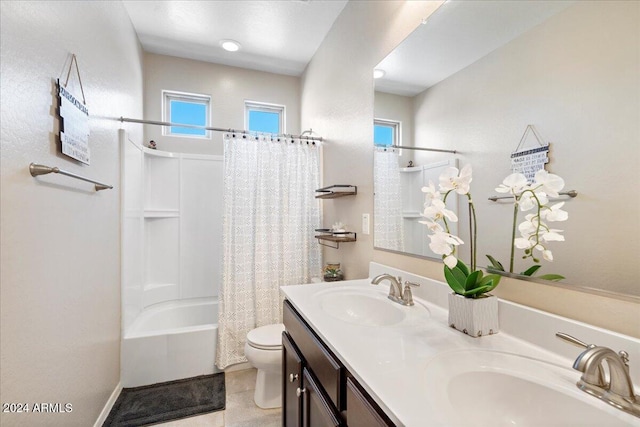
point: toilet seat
(267, 337)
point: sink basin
(364, 307)
(490, 388)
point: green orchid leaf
(476, 292)
(452, 280)
(490, 281)
(460, 275)
(472, 280)
(531, 270)
(462, 267)
(552, 277)
(495, 263)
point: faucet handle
(573, 340)
(407, 296)
(625, 357)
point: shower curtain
(388, 229)
(270, 214)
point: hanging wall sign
(528, 161)
(74, 121)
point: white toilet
(264, 352)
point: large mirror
(472, 79)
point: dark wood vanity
(317, 389)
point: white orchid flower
(522, 243)
(450, 261)
(432, 226)
(529, 201)
(548, 183)
(554, 213)
(529, 226)
(458, 181)
(547, 255)
(513, 184)
(443, 243)
(551, 235)
(438, 211)
(430, 193)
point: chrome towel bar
(570, 193)
(36, 169)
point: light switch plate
(365, 223)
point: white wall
(228, 87)
(337, 101)
(60, 240)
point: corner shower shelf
(337, 238)
(161, 213)
(335, 191)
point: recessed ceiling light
(230, 45)
(378, 73)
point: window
(188, 109)
(385, 132)
(262, 117)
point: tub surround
(392, 361)
(171, 341)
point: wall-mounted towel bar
(570, 193)
(36, 169)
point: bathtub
(170, 341)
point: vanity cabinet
(318, 390)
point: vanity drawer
(324, 365)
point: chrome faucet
(396, 293)
(619, 391)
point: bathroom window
(264, 118)
(385, 132)
(188, 109)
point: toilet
(263, 350)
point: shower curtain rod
(242, 131)
(438, 150)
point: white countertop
(399, 364)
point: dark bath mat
(151, 404)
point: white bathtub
(170, 341)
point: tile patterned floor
(241, 411)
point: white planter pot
(474, 316)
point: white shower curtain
(388, 229)
(270, 214)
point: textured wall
(337, 101)
(60, 240)
(228, 87)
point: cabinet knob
(293, 377)
(299, 391)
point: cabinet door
(361, 410)
(317, 411)
(291, 383)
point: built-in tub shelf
(161, 213)
(335, 191)
(411, 214)
(335, 237)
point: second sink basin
(490, 388)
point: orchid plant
(462, 279)
(535, 232)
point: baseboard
(107, 407)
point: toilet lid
(267, 337)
